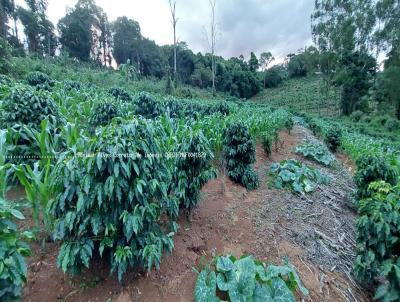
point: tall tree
(174, 21)
(213, 39)
(6, 11)
(266, 58)
(253, 62)
(84, 32)
(126, 40)
(38, 28)
(388, 37)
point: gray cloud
(279, 26)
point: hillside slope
(303, 95)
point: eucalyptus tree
(266, 58)
(38, 29)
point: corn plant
(40, 188)
(39, 179)
(4, 166)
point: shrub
(5, 56)
(301, 178)
(222, 108)
(392, 125)
(40, 80)
(314, 126)
(250, 179)
(333, 138)
(147, 106)
(267, 142)
(289, 123)
(176, 108)
(184, 92)
(102, 114)
(240, 153)
(371, 168)
(193, 169)
(247, 279)
(233, 99)
(120, 94)
(297, 66)
(5, 80)
(70, 85)
(318, 152)
(378, 229)
(116, 203)
(356, 116)
(28, 107)
(13, 249)
(275, 76)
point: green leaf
(17, 214)
(205, 288)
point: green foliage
(40, 182)
(356, 115)
(297, 66)
(358, 69)
(126, 40)
(371, 168)
(40, 80)
(247, 279)
(267, 142)
(72, 85)
(184, 92)
(333, 138)
(378, 229)
(102, 114)
(240, 153)
(28, 107)
(193, 169)
(148, 106)
(289, 123)
(13, 249)
(78, 27)
(120, 94)
(298, 176)
(392, 125)
(116, 200)
(318, 152)
(303, 94)
(222, 108)
(274, 76)
(5, 56)
(250, 179)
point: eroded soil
(315, 233)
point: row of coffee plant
(108, 173)
(378, 201)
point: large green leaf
(205, 289)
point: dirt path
(316, 233)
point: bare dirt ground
(315, 233)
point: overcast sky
(279, 26)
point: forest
(132, 171)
